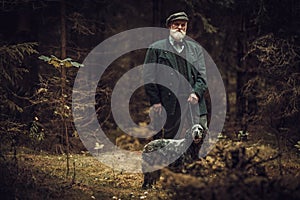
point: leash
(191, 113)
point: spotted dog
(160, 152)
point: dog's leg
(152, 161)
(147, 180)
(146, 163)
(150, 176)
(150, 179)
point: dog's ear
(188, 134)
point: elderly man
(182, 56)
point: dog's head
(197, 133)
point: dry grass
(43, 176)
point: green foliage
(221, 136)
(11, 71)
(63, 109)
(36, 132)
(17, 52)
(57, 63)
(242, 135)
(13, 106)
(81, 25)
(277, 82)
(11, 57)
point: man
(184, 57)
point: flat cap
(177, 16)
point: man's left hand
(193, 98)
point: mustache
(178, 30)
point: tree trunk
(157, 13)
(63, 80)
(241, 73)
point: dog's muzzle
(197, 133)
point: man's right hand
(157, 108)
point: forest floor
(44, 176)
(40, 175)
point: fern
(11, 58)
(13, 106)
(17, 52)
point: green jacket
(162, 52)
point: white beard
(177, 35)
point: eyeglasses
(179, 24)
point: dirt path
(44, 177)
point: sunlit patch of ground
(88, 179)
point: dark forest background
(255, 44)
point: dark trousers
(173, 125)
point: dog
(163, 151)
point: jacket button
(169, 93)
(172, 73)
